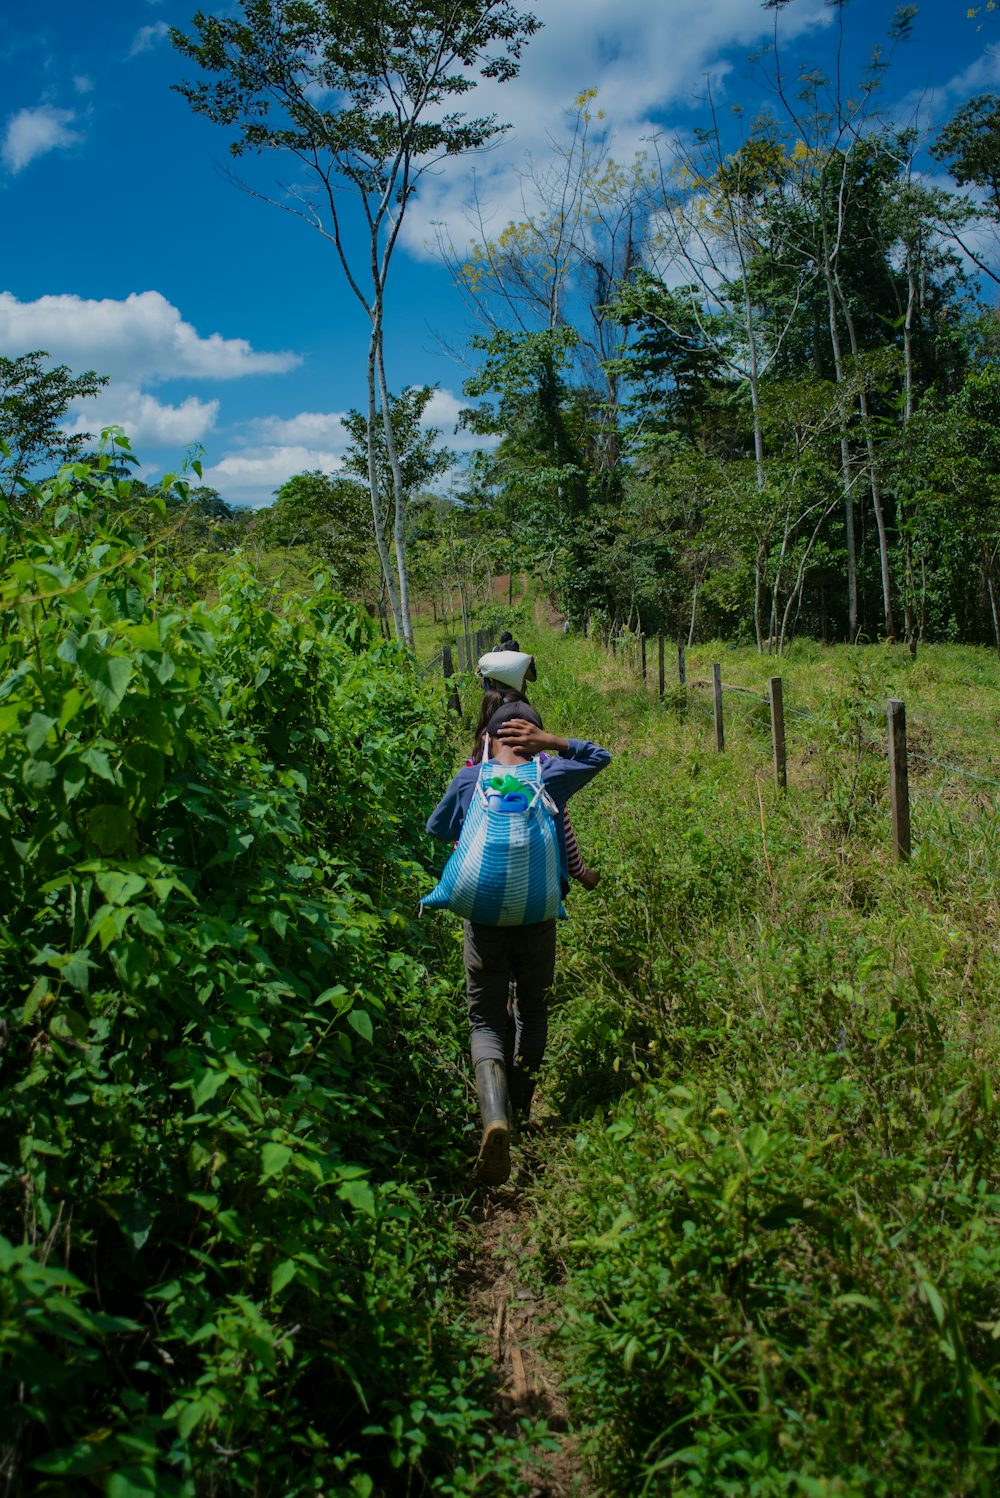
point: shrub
(223, 1035)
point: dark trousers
(493, 956)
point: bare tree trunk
(795, 596)
(772, 623)
(909, 621)
(398, 497)
(373, 490)
(873, 479)
(694, 611)
(758, 592)
(988, 570)
(466, 625)
(845, 449)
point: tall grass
(773, 1210)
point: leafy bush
(229, 1078)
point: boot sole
(493, 1166)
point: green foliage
(33, 403)
(772, 1222)
(968, 146)
(229, 1087)
(420, 459)
(330, 520)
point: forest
(739, 389)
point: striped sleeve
(574, 863)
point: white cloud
(82, 83)
(252, 475)
(644, 57)
(442, 411)
(139, 340)
(307, 427)
(978, 77)
(34, 132)
(147, 37)
(931, 106)
(145, 419)
(276, 447)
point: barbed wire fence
(892, 747)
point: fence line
(893, 747)
(459, 655)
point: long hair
(493, 698)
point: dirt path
(514, 1322)
(502, 588)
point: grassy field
(769, 1211)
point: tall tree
(326, 515)
(563, 262)
(712, 206)
(33, 403)
(360, 94)
(416, 462)
(969, 145)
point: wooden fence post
(448, 668)
(660, 649)
(720, 738)
(682, 675)
(899, 787)
(642, 655)
(778, 734)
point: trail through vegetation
(515, 1315)
(754, 1248)
(768, 1213)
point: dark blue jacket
(562, 776)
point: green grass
(772, 1214)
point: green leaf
(361, 1021)
(118, 888)
(282, 1275)
(38, 773)
(97, 760)
(337, 996)
(132, 1482)
(192, 1415)
(74, 778)
(37, 731)
(111, 827)
(207, 1084)
(932, 1296)
(360, 1196)
(107, 676)
(274, 1158)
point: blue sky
(225, 322)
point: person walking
(494, 954)
(508, 669)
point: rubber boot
(493, 1165)
(522, 1090)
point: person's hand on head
(528, 738)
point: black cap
(511, 710)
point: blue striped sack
(505, 868)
